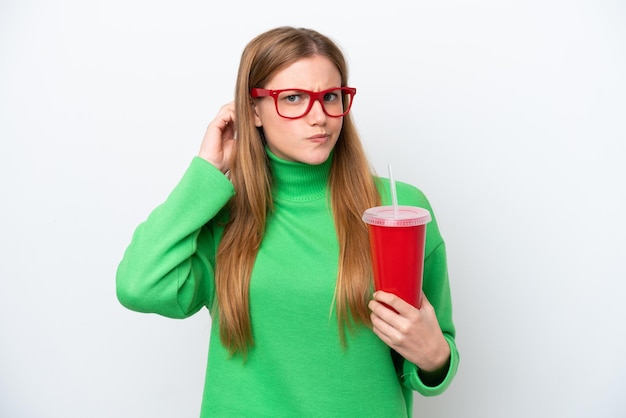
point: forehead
(311, 73)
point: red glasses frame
(314, 95)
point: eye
(291, 97)
(331, 97)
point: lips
(319, 138)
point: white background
(509, 115)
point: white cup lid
(406, 216)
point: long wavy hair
(351, 184)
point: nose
(316, 113)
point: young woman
(265, 230)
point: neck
(298, 181)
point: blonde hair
(351, 184)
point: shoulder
(408, 194)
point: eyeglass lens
(297, 103)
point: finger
(226, 117)
(229, 120)
(230, 111)
(427, 310)
(384, 330)
(389, 322)
(402, 307)
(383, 311)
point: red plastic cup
(397, 240)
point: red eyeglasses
(295, 103)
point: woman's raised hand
(219, 139)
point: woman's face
(311, 138)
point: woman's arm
(168, 266)
(425, 338)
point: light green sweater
(297, 367)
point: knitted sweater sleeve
(437, 290)
(436, 287)
(162, 270)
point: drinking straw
(394, 197)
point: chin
(316, 157)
